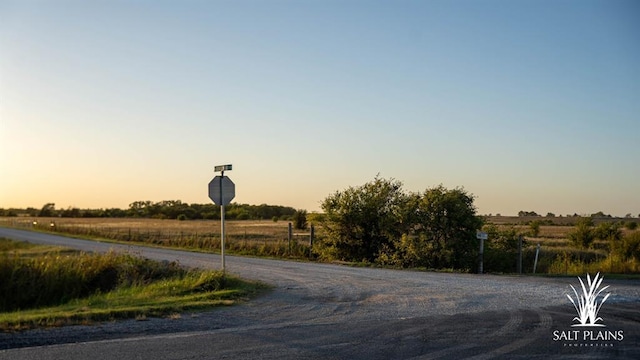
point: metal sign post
(482, 236)
(222, 234)
(222, 190)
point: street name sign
(222, 167)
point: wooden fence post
(290, 235)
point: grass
(45, 286)
(256, 238)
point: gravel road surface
(325, 311)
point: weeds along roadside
(50, 286)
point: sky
(527, 105)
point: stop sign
(222, 190)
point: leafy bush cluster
(381, 223)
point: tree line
(598, 215)
(167, 209)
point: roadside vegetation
(51, 286)
(377, 223)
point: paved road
(323, 311)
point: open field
(235, 229)
(247, 237)
(556, 221)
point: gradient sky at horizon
(528, 105)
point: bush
(361, 221)
(379, 222)
(629, 247)
(300, 219)
(583, 235)
(534, 228)
(608, 231)
(631, 225)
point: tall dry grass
(244, 237)
(33, 279)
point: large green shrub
(360, 221)
(379, 222)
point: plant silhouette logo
(588, 302)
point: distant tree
(71, 212)
(582, 235)
(300, 219)
(48, 210)
(550, 214)
(139, 208)
(629, 247)
(8, 212)
(115, 213)
(534, 228)
(522, 213)
(608, 231)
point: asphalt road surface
(325, 311)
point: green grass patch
(48, 286)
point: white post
(222, 235)
(535, 262)
(217, 194)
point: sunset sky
(528, 105)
